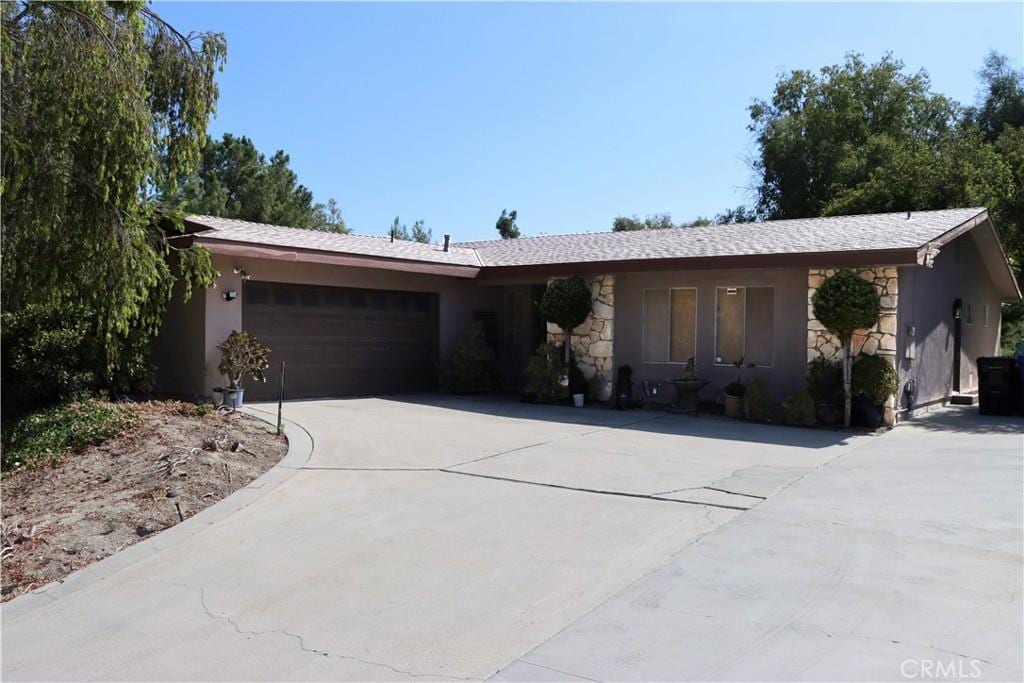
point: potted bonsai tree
(566, 303)
(241, 355)
(845, 303)
(874, 381)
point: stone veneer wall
(593, 342)
(879, 340)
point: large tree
(866, 138)
(235, 180)
(102, 103)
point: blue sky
(570, 113)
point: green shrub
(473, 364)
(798, 409)
(758, 401)
(874, 377)
(825, 382)
(545, 372)
(45, 437)
(49, 357)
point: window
(744, 324)
(670, 325)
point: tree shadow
(648, 421)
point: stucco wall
(178, 352)
(788, 370)
(926, 305)
(458, 299)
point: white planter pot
(577, 400)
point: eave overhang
(247, 249)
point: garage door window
(744, 325)
(670, 325)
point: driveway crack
(301, 642)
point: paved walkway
(452, 539)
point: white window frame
(668, 337)
(775, 308)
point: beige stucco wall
(458, 299)
(788, 370)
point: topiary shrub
(874, 378)
(242, 354)
(758, 401)
(566, 303)
(798, 409)
(844, 303)
(474, 366)
(544, 375)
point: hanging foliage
(103, 102)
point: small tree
(506, 225)
(242, 354)
(845, 303)
(566, 303)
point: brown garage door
(338, 341)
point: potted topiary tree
(566, 303)
(873, 381)
(845, 303)
(241, 355)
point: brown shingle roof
(233, 230)
(869, 232)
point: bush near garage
(474, 366)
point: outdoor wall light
(241, 271)
(230, 295)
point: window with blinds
(670, 325)
(744, 325)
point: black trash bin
(998, 386)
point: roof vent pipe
(447, 242)
(908, 215)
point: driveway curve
(427, 538)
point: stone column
(879, 340)
(593, 341)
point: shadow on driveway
(649, 421)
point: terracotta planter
(734, 406)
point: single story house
(358, 315)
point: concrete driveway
(444, 538)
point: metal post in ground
(280, 399)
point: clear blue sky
(570, 113)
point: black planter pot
(864, 413)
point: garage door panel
(343, 341)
